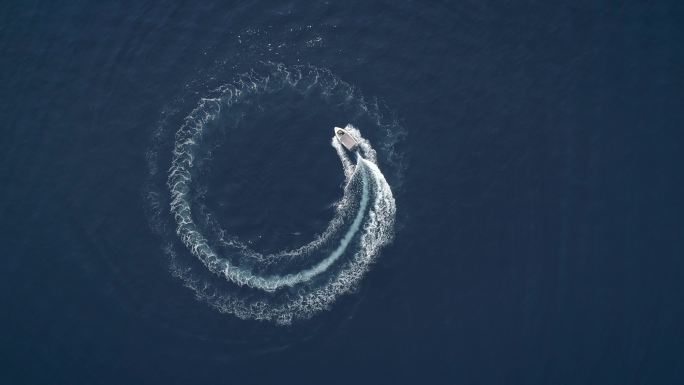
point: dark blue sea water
(532, 150)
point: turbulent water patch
(231, 276)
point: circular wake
(231, 276)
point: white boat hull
(345, 138)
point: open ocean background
(538, 180)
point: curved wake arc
(287, 284)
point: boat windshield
(340, 133)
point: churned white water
(362, 224)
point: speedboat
(345, 138)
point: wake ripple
(362, 224)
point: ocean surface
(175, 210)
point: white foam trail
(377, 231)
(364, 216)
